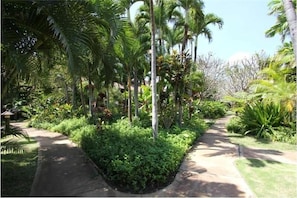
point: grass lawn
(250, 141)
(18, 168)
(269, 178)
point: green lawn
(18, 168)
(269, 178)
(250, 141)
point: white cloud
(238, 56)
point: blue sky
(245, 23)
(243, 33)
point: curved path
(207, 171)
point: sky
(243, 32)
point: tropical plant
(199, 26)
(286, 20)
(290, 11)
(192, 10)
(265, 120)
(276, 87)
(8, 141)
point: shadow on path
(207, 171)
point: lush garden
(268, 109)
(127, 155)
(87, 70)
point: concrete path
(207, 171)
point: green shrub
(50, 110)
(78, 134)
(132, 161)
(67, 126)
(128, 156)
(236, 126)
(268, 121)
(41, 125)
(261, 119)
(144, 120)
(212, 109)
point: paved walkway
(207, 171)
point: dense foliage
(82, 67)
(211, 109)
(127, 155)
(268, 109)
(265, 120)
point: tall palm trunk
(136, 92)
(153, 73)
(195, 49)
(129, 98)
(107, 97)
(74, 89)
(185, 40)
(291, 19)
(66, 92)
(83, 104)
(91, 92)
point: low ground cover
(127, 155)
(269, 178)
(250, 141)
(265, 178)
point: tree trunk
(90, 90)
(185, 40)
(129, 98)
(73, 101)
(180, 111)
(136, 92)
(195, 49)
(83, 104)
(153, 73)
(107, 97)
(66, 92)
(291, 19)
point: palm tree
(76, 28)
(200, 26)
(286, 20)
(290, 12)
(192, 8)
(281, 27)
(173, 37)
(153, 73)
(141, 32)
(161, 21)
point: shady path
(208, 170)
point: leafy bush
(78, 134)
(212, 109)
(69, 125)
(260, 118)
(144, 120)
(236, 126)
(128, 156)
(268, 121)
(51, 110)
(131, 160)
